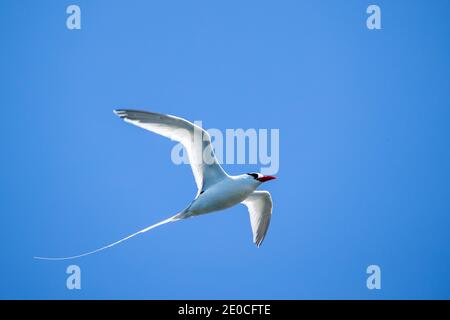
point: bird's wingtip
(120, 113)
(258, 243)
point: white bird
(216, 189)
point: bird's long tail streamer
(171, 219)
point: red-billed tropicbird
(216, 189)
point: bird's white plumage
(196, 141)
(259, 205)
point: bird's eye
(254, 175)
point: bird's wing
(197, 142)
(259, 205)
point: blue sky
(364, 147)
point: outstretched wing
(197, 142)
(259, 205)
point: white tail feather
(171, 219)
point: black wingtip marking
(120, 113)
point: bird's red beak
(266, 178)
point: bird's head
(259, 177)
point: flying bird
(216, 189)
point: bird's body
(225, 194)
(216, 189)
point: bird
(217, 190)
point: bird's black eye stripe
(254, 175)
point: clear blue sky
(364, 147)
